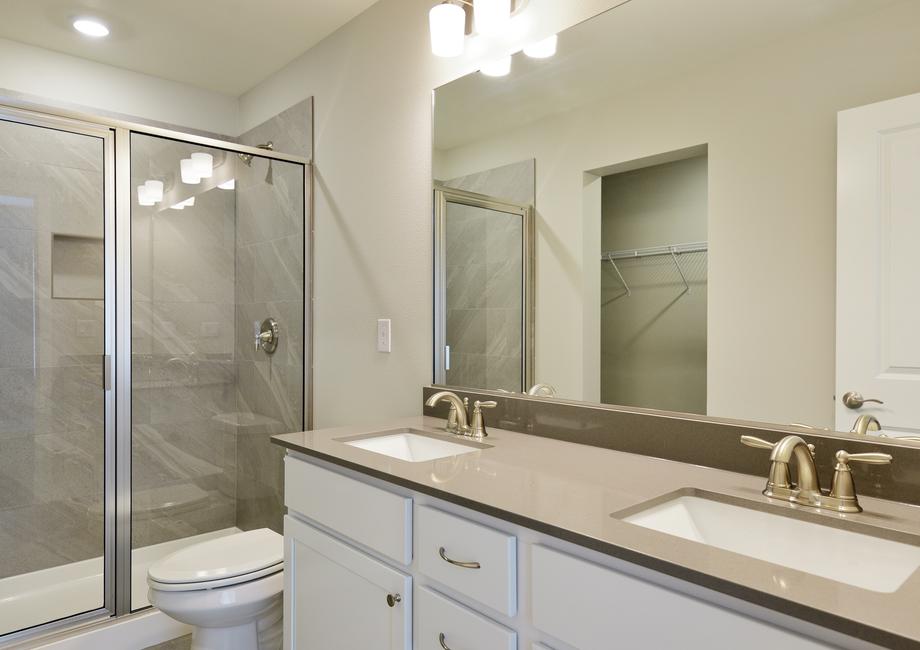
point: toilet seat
(221, 562)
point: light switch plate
(384, 335)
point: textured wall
(51, 398)
(484, 292)
(270, 262)
(184, 374)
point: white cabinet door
(338, 598)
(878, 269)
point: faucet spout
(787, 449)
(457, 411)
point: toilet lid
(218, 559)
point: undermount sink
(854, 558)
(413, 446)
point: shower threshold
(34, 598)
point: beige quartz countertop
(569, 491)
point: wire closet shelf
(674, 250)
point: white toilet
(229, 589)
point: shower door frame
(116, 134)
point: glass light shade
(447, 24)
(178, 206)
(143, 196)
(90, 27)
(491, 16)
(189, 202)
(154, 190)
(497, 68)
(189, 171)
(228, 185)
(542, 49)
(204, 164)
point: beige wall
(769, 119)
(42, 76)
(372, 83)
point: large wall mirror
(725, 202)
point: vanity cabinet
(337, 597)
(354, 580)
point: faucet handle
(870, 458)
(478, 427)
(842, 496)
(759, 443)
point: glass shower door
(55, 249)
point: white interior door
(878, 262)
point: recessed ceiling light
(90, 27)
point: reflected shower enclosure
(138, 390)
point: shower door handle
(107, 372)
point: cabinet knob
(393, 599)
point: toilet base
(264, 633)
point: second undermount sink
(413, 446)
(855, 558)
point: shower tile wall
(183, 344)
(51, 400)
(270, 282)
(484, 299)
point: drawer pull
(443, 644)
(464, 565)
(393, 599)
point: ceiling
(227, 46)
(629, 46)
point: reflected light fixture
(497, 68)
(178, 206)
(447, 24)
(491, 16)
(189, 171)
(542, 49)
(143, 196)
(90, 27)
(204, 164)
(228, 185)
(154, 190)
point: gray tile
(181, 643)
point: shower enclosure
(152, 299)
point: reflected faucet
(865, 423)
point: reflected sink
(854, 558)
(413, 446)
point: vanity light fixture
(189, 202)
(204, 164)
(143, 196)
(189, 171)
(491, 16)
(228, 185)
(497, 68)
(154, 190)
(447, 24)
(178, 206)
(542, 49)
(90, 27)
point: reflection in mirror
(483, 279)
(724, 212)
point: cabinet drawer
(378, 519)
(595, 608)
(463, 629)
(465, 545)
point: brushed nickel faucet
(456, 418)
(807, 490)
